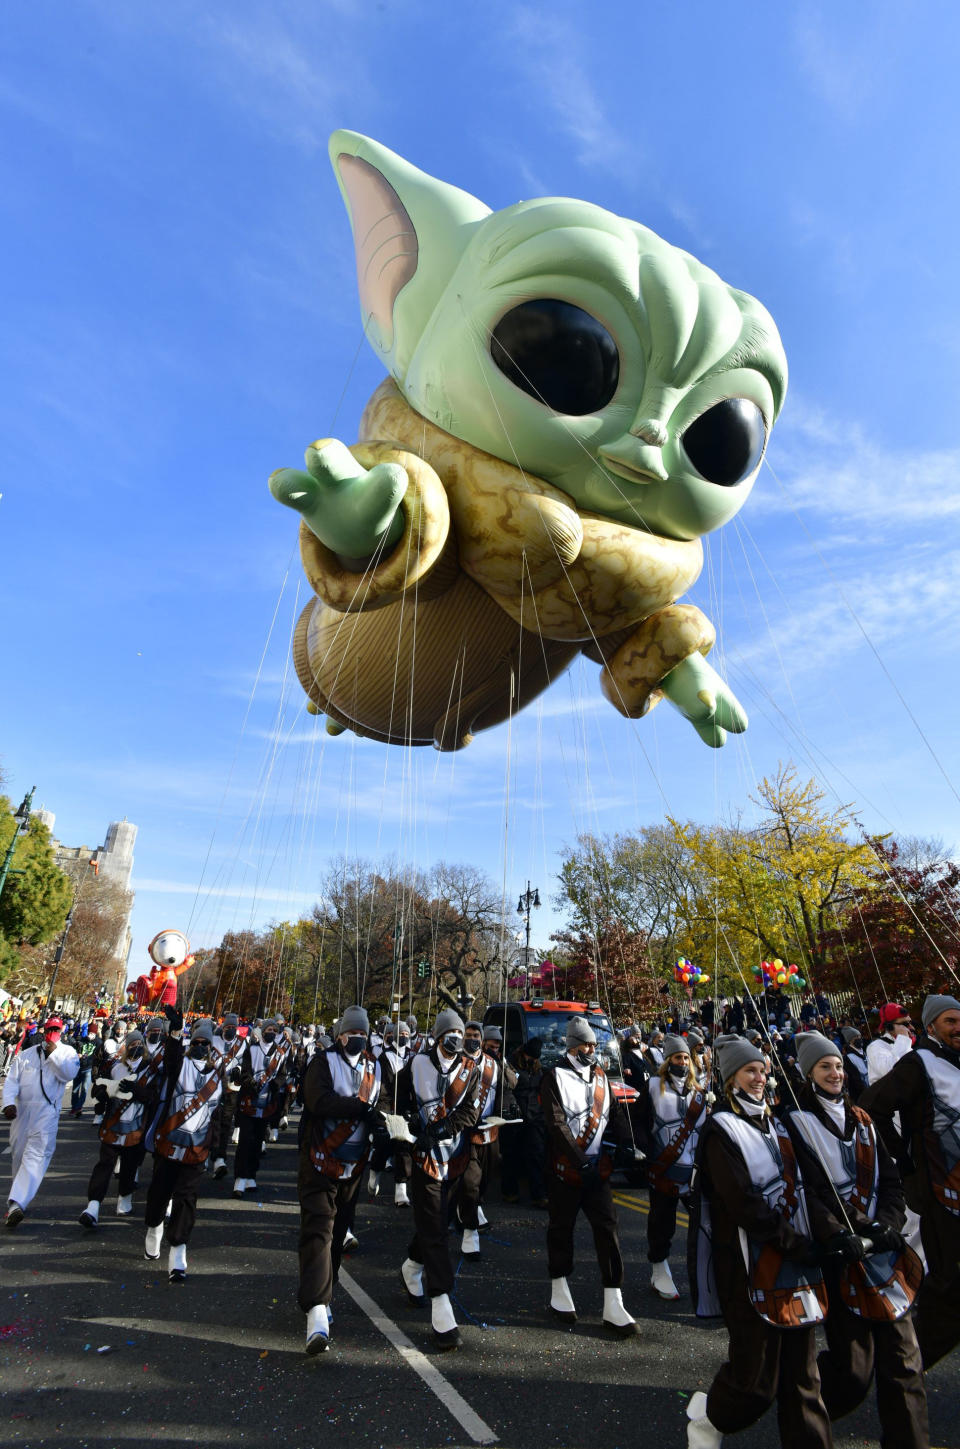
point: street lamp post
(22, 821)
(530, 899)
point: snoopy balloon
(572, 403)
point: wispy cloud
(834, 467)
(214, 893)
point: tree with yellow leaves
(773, 888)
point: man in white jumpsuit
(32, 1094)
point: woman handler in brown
(868, 1326)
(754, 1259)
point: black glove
(424, 1143)
(370, 1114)
(625, 1155)
(885, 1239)
(511, 1111)
(590, 1173)
(127, 1085)
(845, 1246)
(174, 1017)
(440, 1131)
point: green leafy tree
(36, 896)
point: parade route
(98, 1351)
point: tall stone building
(113, 860)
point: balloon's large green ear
(409, 232)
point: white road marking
(453, 1402)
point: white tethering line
(454, 1402)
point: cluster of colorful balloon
(775, 973)
(689, 974)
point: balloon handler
(757, 1245)
(438, 1094)
(341, 1090)
(588, 1133)
(180, 1137)
(32, 1094)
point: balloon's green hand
(698, 692)
(355, 511)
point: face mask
(452, 1043)
(492, 1048)
(471, 1046)
(355, 1045)
(749, 1104)
(586, 1056)
(404, 1044)
(134, 1054)
(679, 1074)
(229, 1033)
(198, 1050)
(269, 1037)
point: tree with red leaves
(611, 966)
(900, 938)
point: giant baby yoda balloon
(572, 403)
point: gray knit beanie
(934, 1006)
(202, 1030)
(850, 1034)
(231, 1019)
(447, 1020)
(353, 1019)
(492, 1033)
(811, 1047)
(672, 1044)
(580, 1032)
(734, 1052)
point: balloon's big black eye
(558, 354)
(725, 443)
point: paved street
(97, 1350)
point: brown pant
(471, 1187)
(767, 1365)
(430, 1200)
(855, 1350)
(596, 1202)
(326, 1212)
(938, 1302)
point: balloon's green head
(567, 340)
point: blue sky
(181, 318)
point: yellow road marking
(642, 1207)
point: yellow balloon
(778, 963)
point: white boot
(615, 1316)
(151, 1247)
(125, 1205)
(220, 1168)
(561, 1301)
(116, 1168)
(470, 1247)
(661, 1281)
(318, 1330)
(400, 1198)
(701, 1434)
(350, 1241)
(169, 1209)
(234, 1136)
(239, 1183)
(446, 1334)
(412, 1275)
(177, 1263)
(273, 1135)
(482, 1219)
(373, 1183)
(90, 1216)
(283, 1124)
